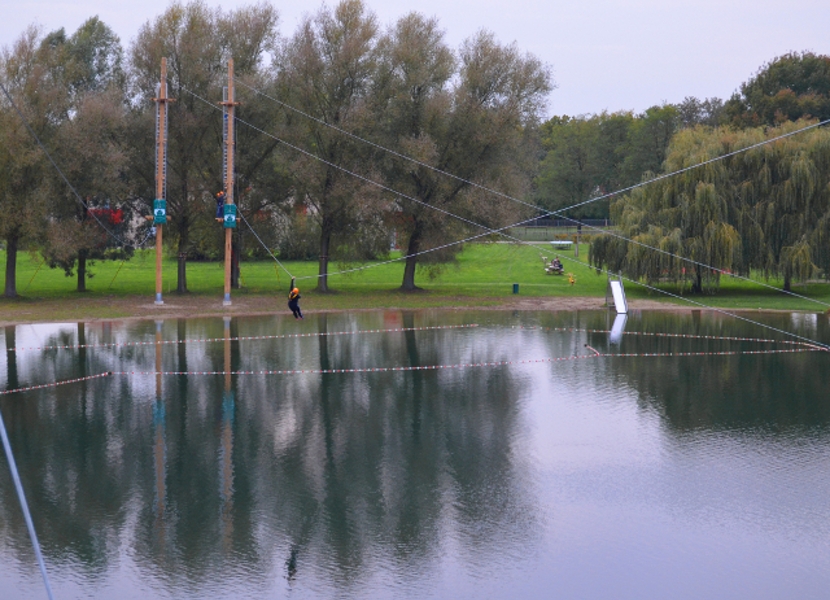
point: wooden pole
(161, 171)
(229, 181)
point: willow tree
(473, 117)
(783, 200)
(762, 210)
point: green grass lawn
(482, 273)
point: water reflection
(225, 484)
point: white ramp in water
(618, 329)
(619, 296)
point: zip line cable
(27, 516)
(499, 231)
(560, 212)
(347, 171)
(65, 179)
(268, 250)
(488, 231)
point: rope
(560, 212)
(259, 239)
(55, 384)
(596, 354)
(21, 496)
(458, 366)
(497, 363)
(28, 285)
(493, 231)
(116, 273)
(243, 338)
(691, 336)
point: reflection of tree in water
(68, 445)
(770, 392)
(331, 473)
(379, 460)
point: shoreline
(91, 310)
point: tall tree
(582, 160)
(36, 100)
(473, 117)
(89, 149)
(327, 68)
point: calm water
(681, 477)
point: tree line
(311, 187)
(765, 210)
(305, 180)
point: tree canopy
(790, 87)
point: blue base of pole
(227, 300)
(159, 301)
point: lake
(531, 464)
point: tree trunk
(788, 281)
(82, 270)
(412, 250)
(184, 242)
(11, 267)
(697, 286)
(325, 244)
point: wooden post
(161, 173)
(228, 114)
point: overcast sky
(605, 54)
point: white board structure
(619, 296)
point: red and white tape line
(690, 336)
(55, 384)
(243, 338)
(419, 367)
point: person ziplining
(294, 301)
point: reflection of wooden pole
(158, 359)
(161, 168)
(158, 417)
(227, 354)
(227, 444)
(229, 199)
